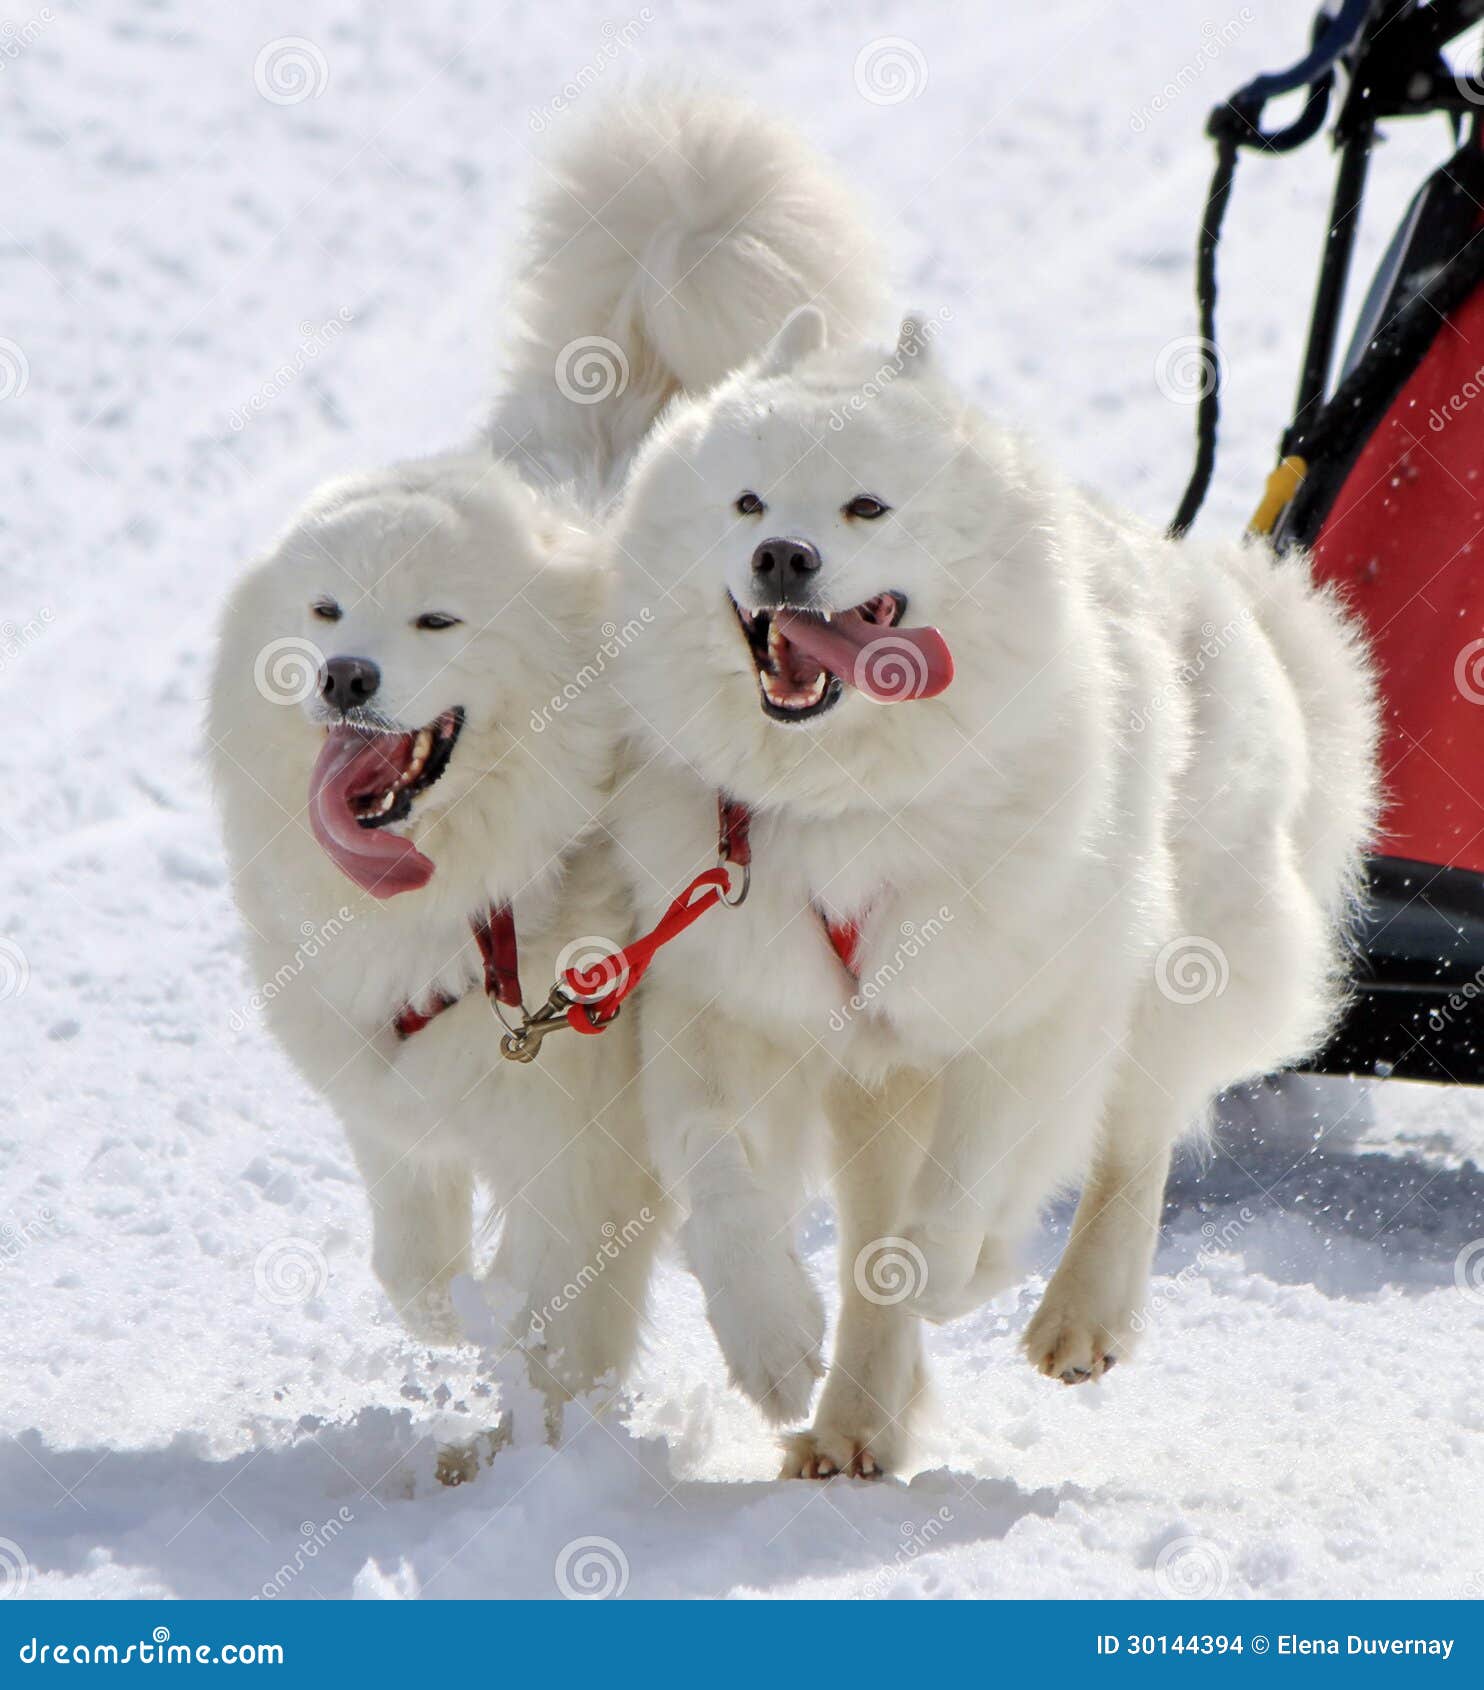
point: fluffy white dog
(411, 732)
(1054, 826)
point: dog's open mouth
(366, 779)
(806, 659)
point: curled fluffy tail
(677, 232)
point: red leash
(587, 999)
(600, 989)
(606, 983)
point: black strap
(1232, 126)
(1208, 411)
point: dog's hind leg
(877, 1373)
(1013, 1127)
(1089, 1313)
(421, 1226)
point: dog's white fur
(678, 228)
(1155, 760)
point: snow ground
(1305, 1418)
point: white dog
(1054, 826)
(411, 733)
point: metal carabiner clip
(523, 1043)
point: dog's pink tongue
(351, 765)
(887, 664)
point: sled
(1381, 477)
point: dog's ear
(914, 344)
(803, 332)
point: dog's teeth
(785, 700)
(422, 745)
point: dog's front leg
(737, 1237)
(421, 1225)
(877, 1374)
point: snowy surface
(1305, 1417)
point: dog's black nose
(786, 566)
(349, 681)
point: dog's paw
(822, 1454)
(459, 1463)
(769, 1322)
(1071, 1340)
(428, 1313)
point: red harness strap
(494, 933)
(408, 1020)
(602, 987)
(495, 936)
(845, 937)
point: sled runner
(1381, 476)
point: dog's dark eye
(863, 505)
(327, 610)
(437, 619)
(750, 505)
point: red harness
(495, 935)
(587, 999)
(845, 936)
